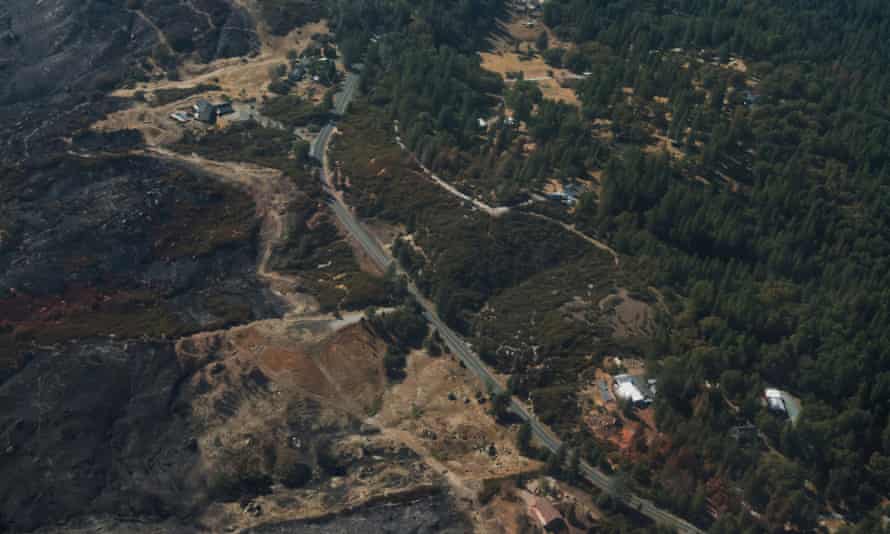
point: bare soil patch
(628, 316)
(458, 435)
(662, 143)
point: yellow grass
(504, 62)
(663, 144)
(535, 69)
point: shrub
(394, 362)
(278, 87)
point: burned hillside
(57, 58)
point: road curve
(461, 349)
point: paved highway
(343, 98)
(341, 102)
(460, 348)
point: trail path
(499, 210)
(571, 228)
(271, 192)
(162, 37)
(191, 5)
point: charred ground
(163, 364)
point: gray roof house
(205, 111)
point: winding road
(459, 347)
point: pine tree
(523, 439)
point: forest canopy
(765, 209)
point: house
(573, 190)
(533, 5)
(296, 74)
(774, 401)
(568, 196)
(481, 122)
(224, 108)
(204, 111)
(547, 516)
(542, 512)
(750, 98)
(633, 388)
(562, 198)
(782, 403)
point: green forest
(771, 231)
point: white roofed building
(633, 388)
(774, 401)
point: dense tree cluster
(786, 270)
(403, 329)
(764, 211)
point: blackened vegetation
(282, 16)
(245, 141)
(211, 29)
(312, 247)
(58, 59)
(422, 513)
(130, 247)
(165, 96)
(102, 429)
(96, 141)
(293, 111)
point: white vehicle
(180, 116)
